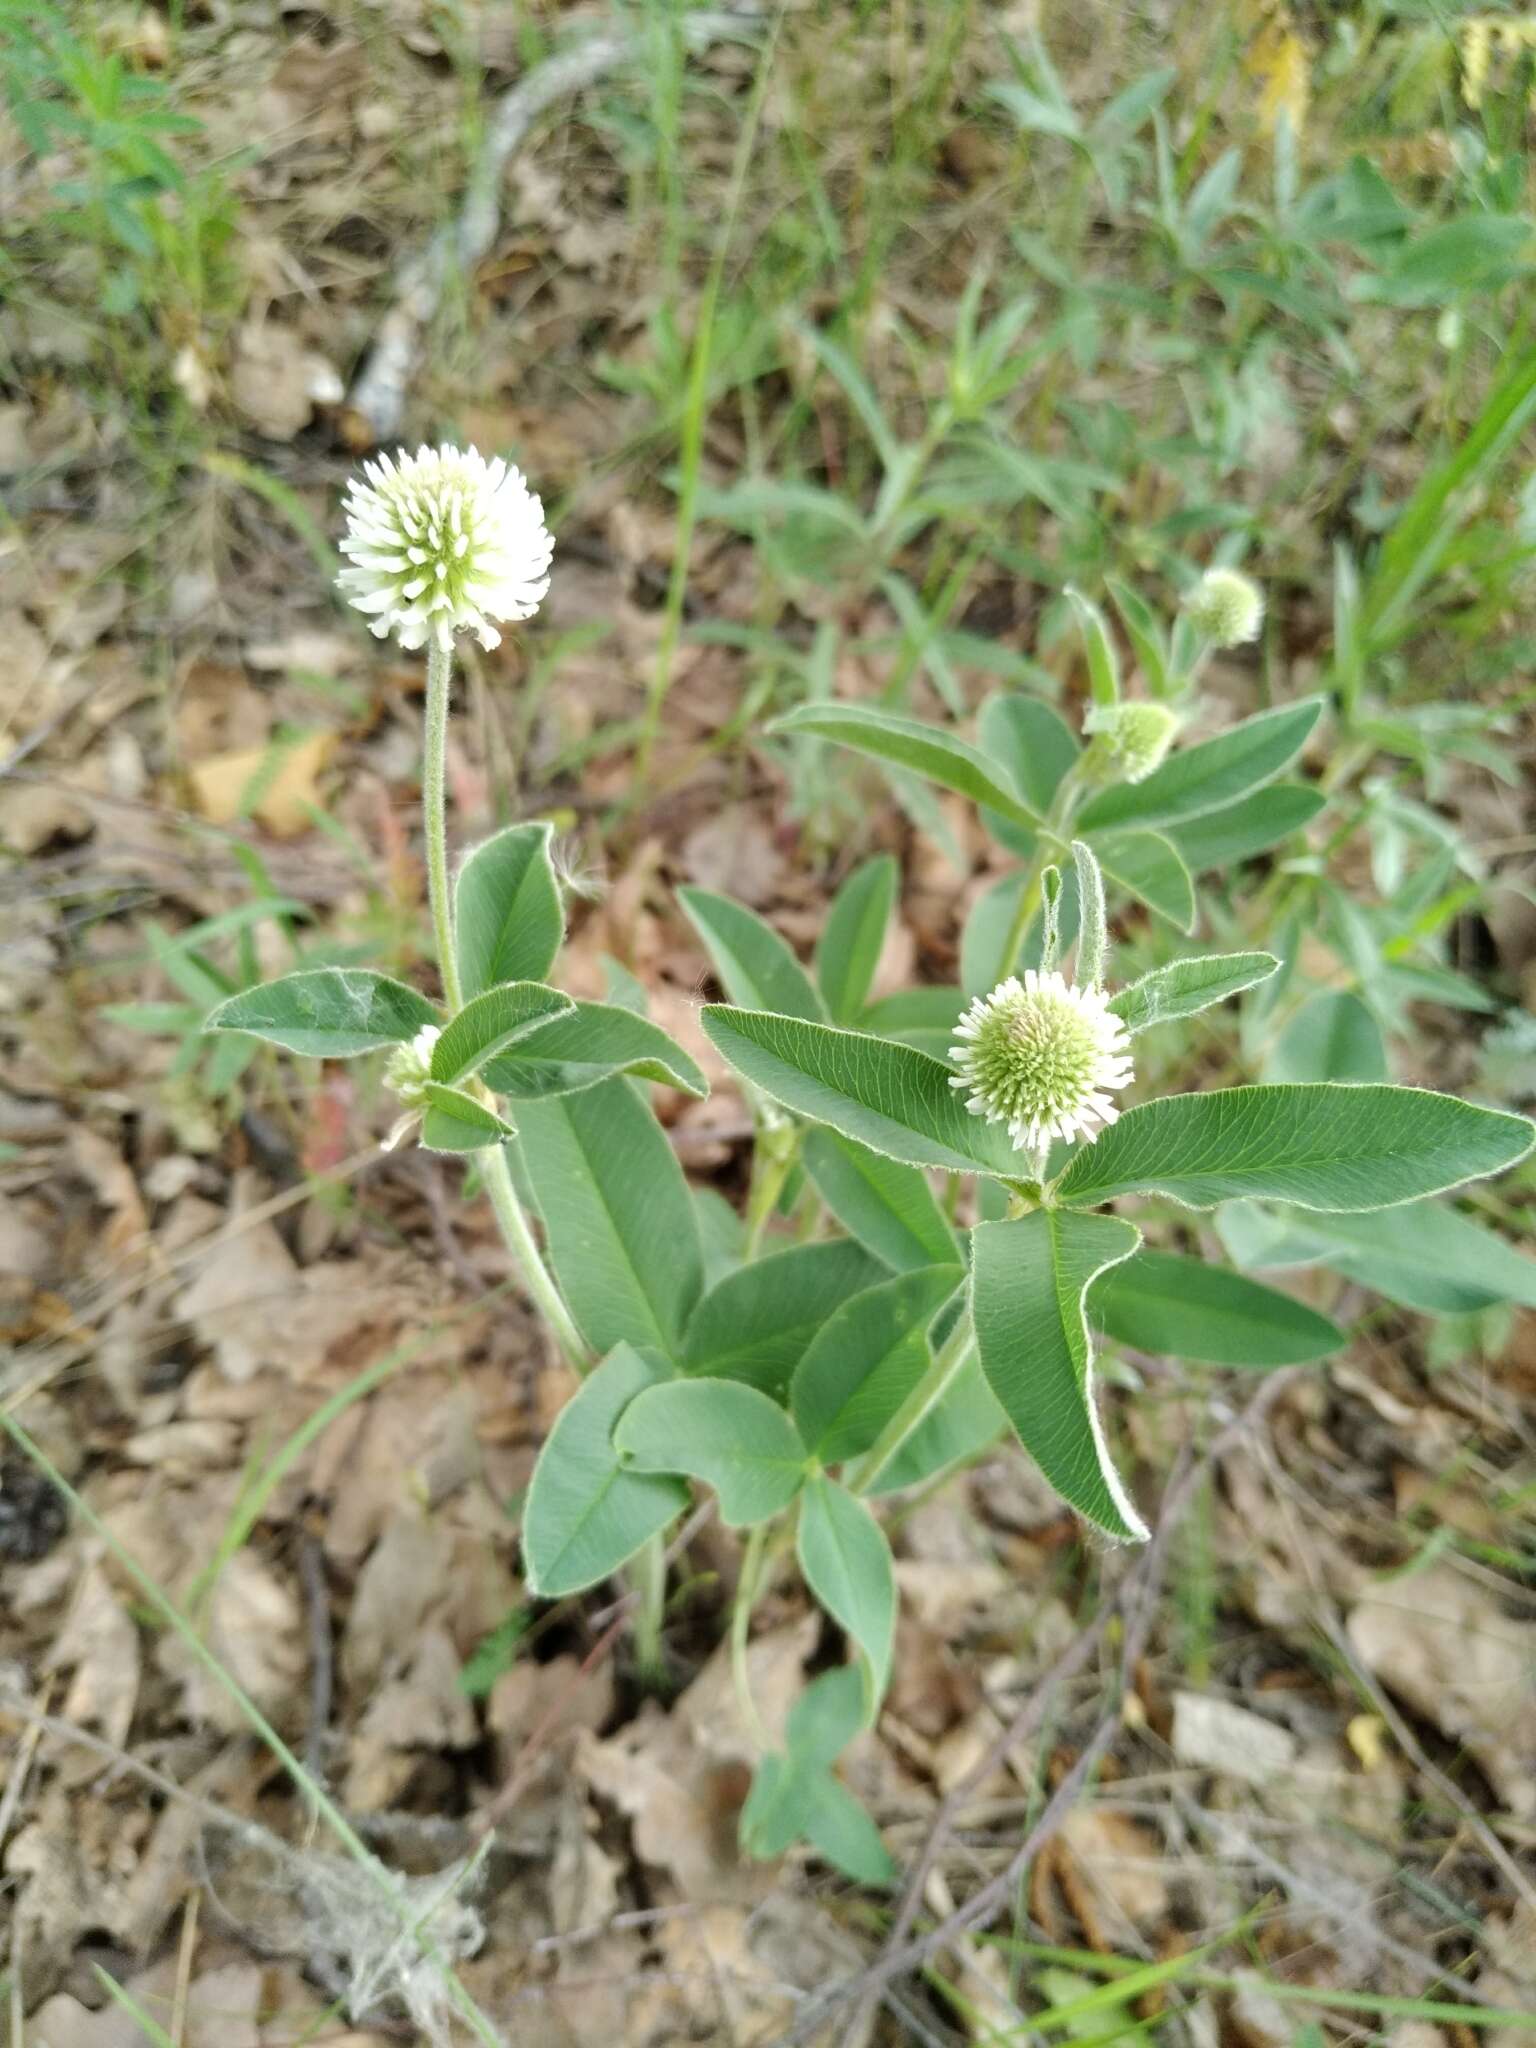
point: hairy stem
(495, 1171)
(434, 815)
(748, 1586)
(947, 1365)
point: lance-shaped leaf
(888, 1207)
(1332, 1037)
(1149, 866)
(1031, 743)
(456, 1121)
(590, 1043)
(1160, 1302)
(1188, 986)
(847, 1565)
(755, 1324)
(1092, 924)
(889, 1097)
(586, 1515)
(331, 1013)
(1029, 1277)
(756, 969)
(848, 951)
(622, 1231)
(1207, 777)
(1220, 839)
(489, 1023)
(508, 923)
(865, 1360)
(1427, 1255)
(729, 1435)
(907, 743)
(1325, 1146)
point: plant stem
(747, 1588)
(495, 1171)
(648, 1572)
(526, 1256)
(434, 816)
(777, 1149)
(948, 1363)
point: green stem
(777, 1149)
(1053, 838)
(495, 1171)
(947, 1365)
(648, 1572)
(434, 814)
(748, 1585)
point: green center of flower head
(435, 533)
(1130, 740)
(1040, 1056)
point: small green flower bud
(1226, 606)
(1129, 740)
(409, 1068)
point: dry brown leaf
(255, 1628)
(1120, 1862)
(100, 1645)
(1216, 1735)
(276, 380)
(1445, 1646)
(283, 797)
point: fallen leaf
(1445, 1646)
(275, 784)
(1215, 1735)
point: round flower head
(1226, 606)
(1130, 740)
(441, 542)
(1041, 1056)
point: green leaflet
(331, 1013)
(455, 1121)
(795, 1793)
(1150, 867)
(756, 1323)
(1032, 744)
(865, 1360)
(1332, 1037)
(729, 1435)
(1426, 1255)
(591, 1043)
(1029, 1277)
(848, 950)
(906, 743)
(1220, 839)
(508, 922)
(888, 1207)
(1160, 1302)
(889, 1097)
(585, 1514)
(489, 1023)
(1207, 777)
(847, 1565)
(1327, 1146)
(756, 969)
(621, 1229)
(1188, 986)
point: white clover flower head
(442, 542)
(1130, 739)
(1226, 606)
(1042, 1057)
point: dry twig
(377, 400)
